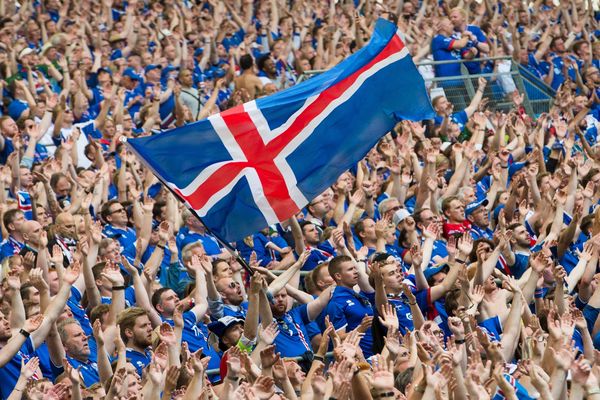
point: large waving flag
(259, 163)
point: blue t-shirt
(459, 118)
(88, 370)
(346, 309)
(441, 48)
(210, 244)
(293, 339)
(74, 304)
(9, 373)
(474, 67)
(139, 360)
(125, 237)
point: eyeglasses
(117, 210)
(234, 285)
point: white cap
(400, 216)
(25, 52)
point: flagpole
(232, 250)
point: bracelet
(413, 303)
(121, 287)
(161, 246)
(319, 358)
(383, 395)
(24, 332)
(233, 378)
(459, 341)
(460, 261)
(504, 166)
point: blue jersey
(210, 244)
(74, 304)
(459, 118)
(126, 238)
(293, 339)
(10, 247)
(235, 311)
(405, 317)
(480, 233)
(474, 67)
(441, 47)
(139, 360)
(87, 369)
(346, 309)
(9, 373)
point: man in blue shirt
(293, 339)
(136, 332)
(114, 214)
(78, 352)
(477, 47)
(478, 215)
(443, 108)
(194, 231)
(13, 221)
(446, 48)
(347, 308)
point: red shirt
(450, 229)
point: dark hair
(246, 62)
(105, 210)
(260, 63)
(10, 216)
(403, 379)
(335, 264)
(157, 295)
(451, 303)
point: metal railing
(460, 89)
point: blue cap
(475, 205)
(104, 69)
(130, 73)
(515, 167)
(198, 52)
(222, 324)
(429, 272)
(219, 72)
(116, 54)
(16, 108)
(167, 70)
(150, 67)
(497, 211)
(209, 75)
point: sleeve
(337, 316)
(424, 299)
(448, 43)
(215, 308)
(301, 313)
(480, 35)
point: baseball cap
(429, 272)
(474, 205)
(116, 54)
(130, 73)
(400, 216)
(220, 326)
(104, 69)
(16, 108)
(198, 52)
(150, 67)
(25, 52)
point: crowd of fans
(458, 260)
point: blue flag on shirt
(259, 163)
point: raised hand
(33, 323)
(389, 317)
(268, 357)
(268, 334)
(30, 368)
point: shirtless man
(248, 79)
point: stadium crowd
(458, 260)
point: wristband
(319, 358)
(413, 303)
(460, 261)
(233, 378)
(459, 341)
(383, 395)
(121, 287)
(24, 332)
(504, 166)
(160, 246)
